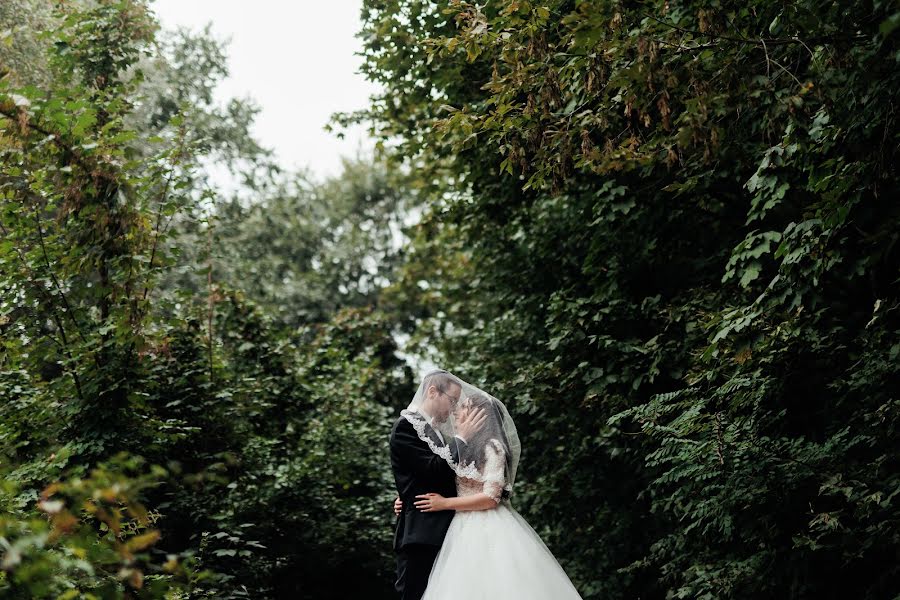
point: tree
(307, 249)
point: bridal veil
(438, 410)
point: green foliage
(307, 249)
(665, 232)
(83, 230)
(22, 53)
(89, 538)
(272, 438)
(279, 449)
(310, 483)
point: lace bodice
(493, 471)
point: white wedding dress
(495, 554)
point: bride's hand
(470, 422)
(398, 505)
(431, 503)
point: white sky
(296, 60)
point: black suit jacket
(418, 470)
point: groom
(418, 470)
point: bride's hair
(492, 430)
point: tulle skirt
(496, 555)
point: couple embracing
(454, 454)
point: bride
(489, 551)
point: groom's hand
(398, 505)
(470, 422)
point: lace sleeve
(494, 470)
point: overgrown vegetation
(124, 331)
(664, 233)
(667, 233)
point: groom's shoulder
(403, 427)
(401, 423)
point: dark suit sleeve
(416, 454)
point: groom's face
(445, 401)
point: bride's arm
(436, 502)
